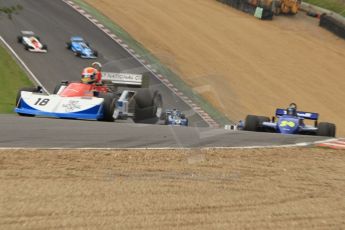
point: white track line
(304, 144)
(326, 141)
(32, 75)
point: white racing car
(120, 97)
(32, 42)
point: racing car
(32, 42)
(120, 98)
(81, 48)
(174, 117)
(289, 121)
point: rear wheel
(68, 45)
(143, 98)
(20, 39)
(108, 106)
(326, 129)
(184, 117)
(45, 47)
(148, 105)
(26, 47)
(77, 53)
(263, 119)
(157, 104)
(95, 52)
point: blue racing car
(289, 121)
(81, 48)
(174, 117)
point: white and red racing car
(120, 97)
(32, 42)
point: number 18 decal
(42, 102)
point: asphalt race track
(31, 132)
(55, 22)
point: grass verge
(337, 6)
(155, 62)
(12, 78)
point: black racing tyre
(45, 47)
(148, 105)
(68, 45)
(77, 53)
(326, 129)
(58, 86)
(95, 52)
(143, 98)
(109, 104)
(27, 89)
(183, 116)
(20, 39)
(163, 116)
(26, 46)
(157, 105)
(263, 119)
(252, 123)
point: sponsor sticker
(71, 106)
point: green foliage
(12, 78)
(337, 6)
(11, 10)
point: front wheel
(251, 123)
(254, 123)
(326, 129)
(95, 52)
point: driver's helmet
(292, 109)
(97, 66)
(89, 75)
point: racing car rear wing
(123, 79)
(305, 115)
(28, 33)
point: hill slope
(240, 64)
